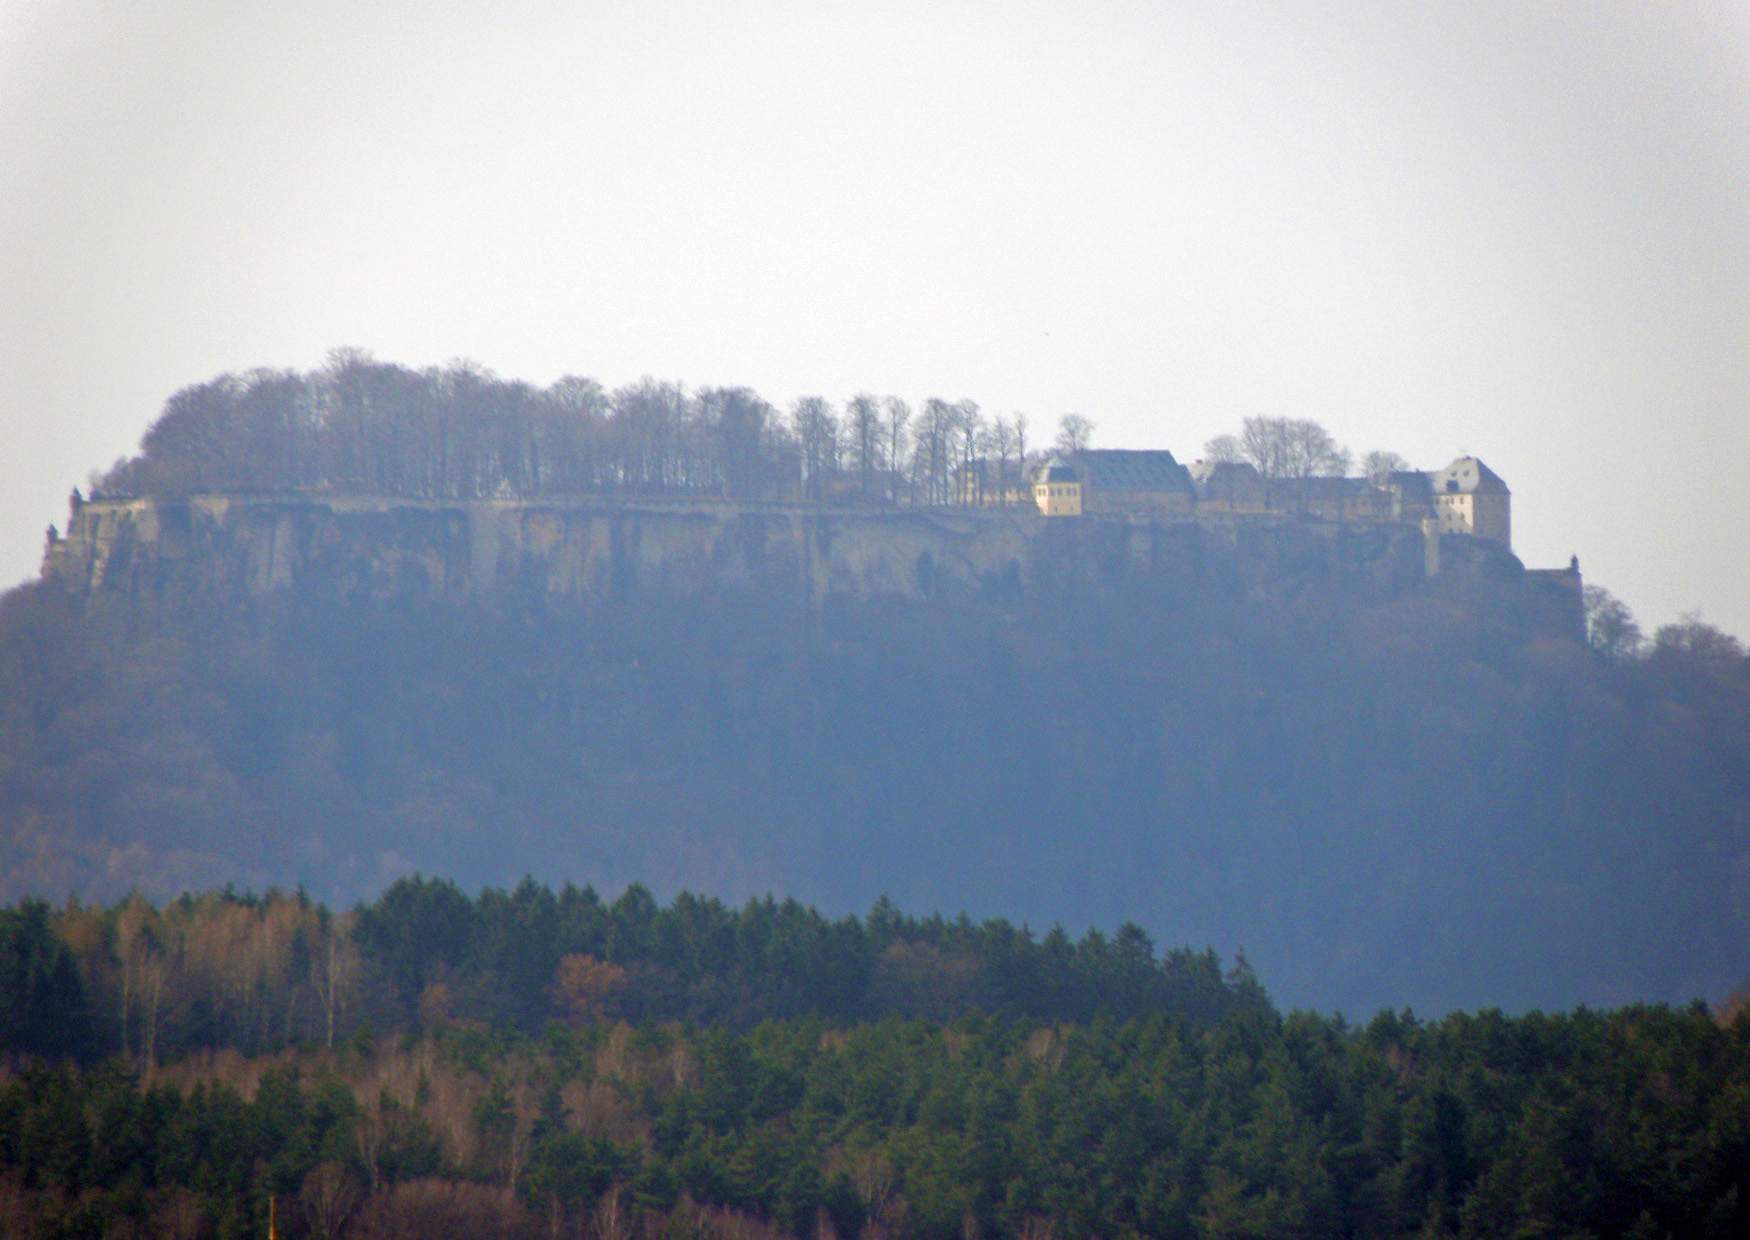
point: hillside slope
(1386, 790)
(330, 629)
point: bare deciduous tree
(1224, 450)
(1611, 629)
(1074, 433)
(998, 441)
(933, 451)
(865, 440)
(1264, 442)
(328, 1197)
(970, 425)
(1378, 464)
(334, 970)
(1693, 640)
(816, 431)
(898, 424)
(1284, 448)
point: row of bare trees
(459, 432)
(1294, 449)
(247, 973)
(1285, 448)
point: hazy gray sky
(1516, 229)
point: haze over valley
(897, 622)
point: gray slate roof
(1056, 470)
(1119, 469)
(1203, 471)
(1467, 476)
(1412, 484)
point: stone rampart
(590, 548)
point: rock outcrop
(364, 548)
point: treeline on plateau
(459, 432)
(1631, 1123)
(257, 974)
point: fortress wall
(377, 548)
(253, 545)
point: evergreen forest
(539, 1063)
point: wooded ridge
(1038, 1088)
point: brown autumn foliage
(1733, 1010)
(328, 1198)
(587, 990)
(249, 973)
(918, 979)
(690, 1219)
(436, 1003)
(424, 1209)
(15, 1207)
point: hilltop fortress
(1083, 520)
(1467, 497)
(367, 480)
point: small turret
(1057, 488)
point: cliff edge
(364, 547)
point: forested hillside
(537, 1063)
(1420, 798)
(1381, 805)
(257, 974)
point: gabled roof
(1226, 480)
(987, 470)
(1330, 486)
(1204, 471)
(1119, 469)
(1467, 476)
(1056, 470)
(1412, 484)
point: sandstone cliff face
(374, 548)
